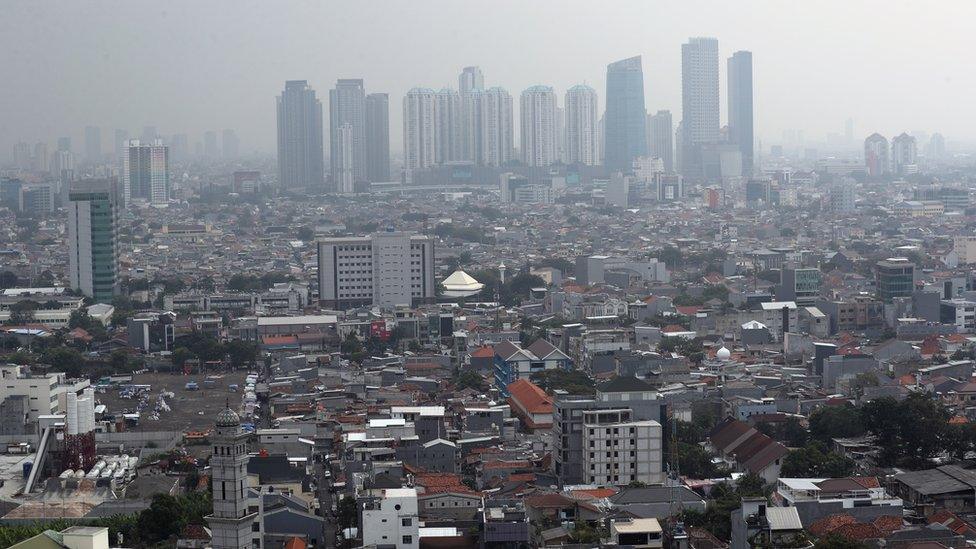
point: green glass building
(93, 220)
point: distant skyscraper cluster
(901, 158)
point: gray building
(625, 133)
(300, 162)
(741, 117)
(378, 137)
(385, 269)
(660, 138)
(347, 105)
(699, 102)
(93, 254)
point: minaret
(501, 272)
(230, 523)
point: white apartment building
(618, 451)
(42, 391)
(392, 520)
(384, 269)
(538, 117)
(581, 126)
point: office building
(660, 138)
(93, 144)
(625, 132)
(63, 170)
(800, 285)
(36, 198)
(876, 155)
(384, 269)
(470, 82)
(582, 126)
(618, 450)
(93, 254)
(231, 520)
(516, 189)
(699, 102)
(904, 155)
(378, 137)
(231, 145)
(447, 129)
(300, 162)
(741, 116)
(145, 172)
(895, 277)
(419, 129)
(538, 128)
(347, 105)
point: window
(406, 522)
(408, 540)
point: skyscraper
(876, 155)
(741, 116)
(347, 105)
(93, 214)
(419, 129)
(538, 126)
(581, 126)
(93, 144)
(300, 162)
(145, 172)
(660, 138)
(378, 137)
(447, 133)
(470, 82)
(22, 156)
(344, 180)
(699, 102)
(121, 136)
(904, 154)
(231, 520)
(493, 120)
(625, 131)
(210, 147)
(936, 148)
(231, 144)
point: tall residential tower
(741, 117)
(300, 161)
(699, 103)
(582, 127)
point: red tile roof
(888, 523)
(530, 397)
(295, 542)
(483, 352)
(830, 523)
(859, 531)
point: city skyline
(782, 68)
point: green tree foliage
(167, 516)
(816, 461)
(830, 422)
(347, 512)
(693, 461)
(910, 431)
(22, 312)
(470, 379)
(691, 348)
(583, 532)
(717, 517)
(574, 382)
(7, 280)
(251, 283)
(467, 234)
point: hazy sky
(192, 66)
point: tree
(582, 532)
(815, 461)
(910, 431)
(347, 512)
(830, 422)
(241, 353)
(470, 379)
(180, 356)
(7, 280)
(22, 312)
(162, 520)
(65, 359)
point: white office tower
(145, 172)
(346, 179)
(384, 269)
(418, 130)
(582, 126)
(392, 520)
(447, 130)
(230, 523)
(538, 129)
(699, 103)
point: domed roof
(723, 354)
(228, 418)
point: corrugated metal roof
(783, 518)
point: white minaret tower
(230, 523)
(501, 272)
